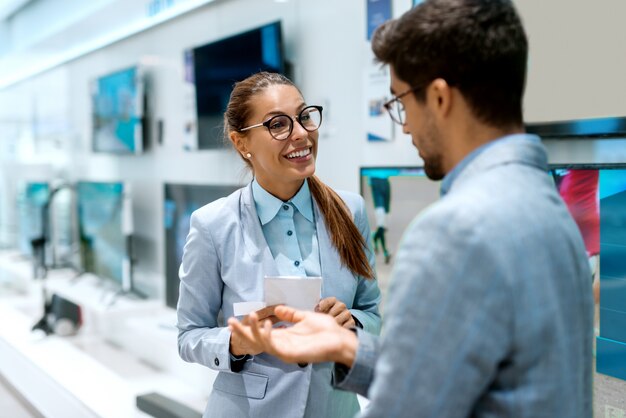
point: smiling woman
(285, 222)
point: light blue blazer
(225, 259)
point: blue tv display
(31, 205)
(103, 230)
(596, 197)
(181, 200)
(118, 112)
(218, 65)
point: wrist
(346, 354)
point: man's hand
(338, 310)
(314, 337)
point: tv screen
(118, 112)
(596, 198)
(32, 199)
(179, 203)
(394, 196)
(103, 233)
(218, 65)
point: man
(490, 305)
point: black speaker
(61, 317)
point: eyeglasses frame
(388, 104)
(296, 118)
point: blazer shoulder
(217, 212)
(354, 201)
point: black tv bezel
(565, 129)
(587, 166)
(143, 117)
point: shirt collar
(446, 184)
(268, 205)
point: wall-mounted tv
(118, 116)
(218, 65)
(105, 227)
(180, 200)
(596, 197)
(394, 196)
(32, 200)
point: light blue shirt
(289, 229)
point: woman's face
(280, 166)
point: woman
(286, 222)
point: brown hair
(344, 234)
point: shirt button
(296, 263)
(216, 361)
(286, 207)
(290, 233)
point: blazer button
(216, 361)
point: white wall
(576, 69)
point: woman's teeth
(301, 153)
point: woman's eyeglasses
(281, 126)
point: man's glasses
(396, 108)
(281, 126)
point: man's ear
(440, 96)
(239, 142)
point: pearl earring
(248, 155)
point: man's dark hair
(477, 46)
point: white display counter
(127, 347)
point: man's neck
(475, 135)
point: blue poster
(378, 11)
(416, 2)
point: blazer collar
(517, 149)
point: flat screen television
(105, 227)
(394, 196)
(218, 65)
(596, 197)
(32, 200)
(118, 116)
(180, 200)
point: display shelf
(126, 347)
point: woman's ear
(239, 142)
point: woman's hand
(338, 310)
(239, 346)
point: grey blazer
(490, 304)
(225, 259)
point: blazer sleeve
(367, 298)
(200, 339)
(358, 378)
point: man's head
(474, 49)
